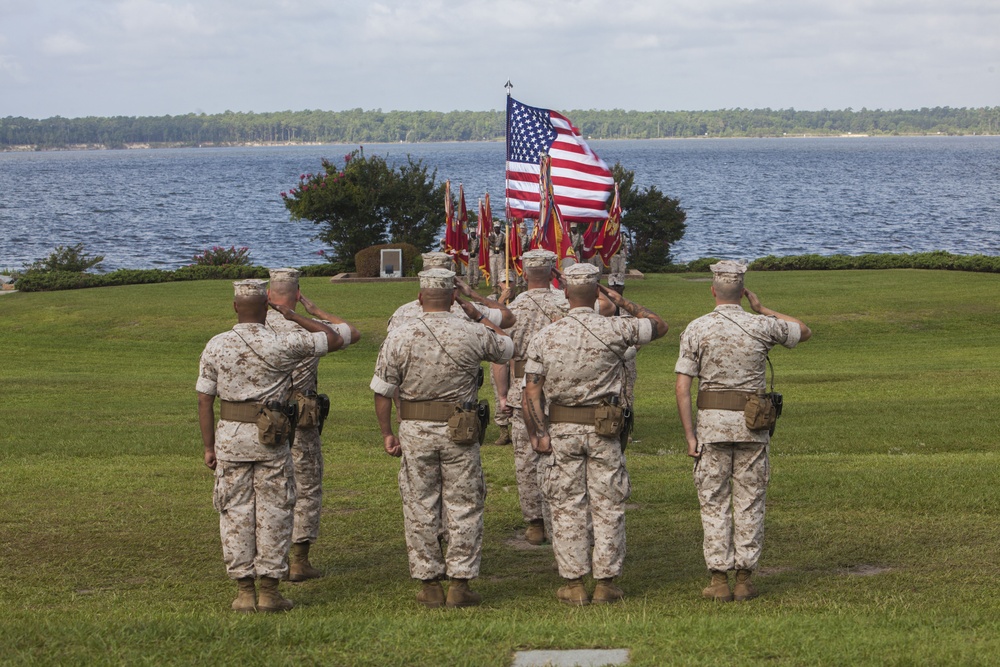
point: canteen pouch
(274, 425)
(463, 425)
(760, 412)
(609, 419)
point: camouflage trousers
(474, 272)
(617, 268)
(526, 471)
(255, 500)
(307, 457)
(585, 474)
(731, 479)
(443, 490)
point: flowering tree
(367, 203)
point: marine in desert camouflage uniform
(727, 351)
(534, 309)
(433, 362)
(574, 365)
(619, 267)
(474, 273)
(307, 446)
(254, 485)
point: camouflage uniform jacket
(436, 357)
(252, 363)
(414, 309)
(581, 356)
(305, 377)
(724, 357)
(534, 309)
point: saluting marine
(433, 362)
(727, 351)
(574, 385)
(249, 368)
(307, 446)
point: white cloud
(63, 44)
(147, 17)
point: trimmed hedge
(36, 281)
(366, 262)
(937, 260)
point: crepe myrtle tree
(652, 221)
(368, 202)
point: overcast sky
(155, 57)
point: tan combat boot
(535, 533)
(299, 568)
(606, 592)
(269, 599)
(718, 589)
(744, 588)
(246, 597)
(460, 595)
(504, 438)
(431, 595)
(574, 593)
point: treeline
(358, 126)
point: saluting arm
(507, 317)
(759, 308)
(635, 310)
(333, 339)
(476, 316)
(319, 313)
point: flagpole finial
(509, 86)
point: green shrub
(69, 259)
(228, 272)
(316, 270)
(366, 262)
(219, 256)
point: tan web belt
(583, 414)
(723, 400)
(244, 411)
(519, 367)
(430, 411)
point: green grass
(881, 529)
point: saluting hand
(463, 287)
(287, 312)
(306, 303)
(752, 299)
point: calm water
(745, 198)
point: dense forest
(360, 126)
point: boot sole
(575, 603)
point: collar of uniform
(581, 309)
(729, 306)
(438, 313)
(249, 325)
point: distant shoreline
(35, 148)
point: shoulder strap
(475, 378)
(767, 355)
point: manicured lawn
(882, 530)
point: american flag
(581, 181)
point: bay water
(744, 198)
